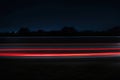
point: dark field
(107, 68)
(61, 39)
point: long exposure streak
(19, 54)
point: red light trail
(17, 52)
(24, 54)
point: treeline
(65, 31)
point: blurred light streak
(36, 54)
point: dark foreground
(107, 68)
(61, 39)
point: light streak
(34, 54)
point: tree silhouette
(40, 31)
(23, 30)
(65, 31)
(68, 29)
(115, 29)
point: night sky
(55, 14)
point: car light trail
(24, 54)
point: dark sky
(54, 14)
